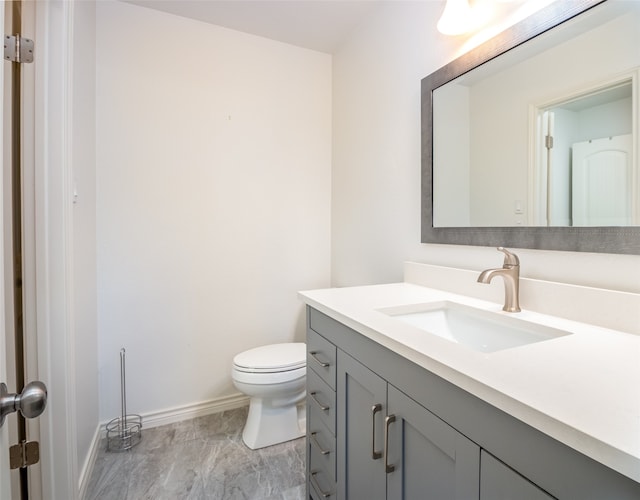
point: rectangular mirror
(530, 140)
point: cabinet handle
(322, 407)
(315, 441)
(315, 358)
(323, 493)
(387, 422)
(374, 409)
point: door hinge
(548, 141)
(18, 49)
(24, 454)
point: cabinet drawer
(321, 480)
(323, 441)
(321, 357)
(322, 398)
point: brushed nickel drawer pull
(315, 441)
(323, 493)
(387, 422)
(374, 409)
(323, 364)
(322, 407)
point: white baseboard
(89, 463)
(156, 419)
(179, 413)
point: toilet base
(267, 425)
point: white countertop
(582, 389)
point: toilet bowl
(274, 378)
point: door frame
(53, 235)
(537, 151)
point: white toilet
(274, 377)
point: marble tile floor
(200, 459)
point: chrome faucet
(510, 272)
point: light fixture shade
(456, 18)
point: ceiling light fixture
(456, 18)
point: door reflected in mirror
(583, 171)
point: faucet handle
(510, 259)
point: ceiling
(320, 25)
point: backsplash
(597, 306)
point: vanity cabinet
(389, 446)
(382, 427)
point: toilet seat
(268, 378)
(274, 358)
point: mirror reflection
(547, 138)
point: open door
(5, 478)
(19, 400)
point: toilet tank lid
(286, 356)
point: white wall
(376, 140)
(213, 200)
(376, 163)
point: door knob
(31, 402)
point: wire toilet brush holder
(125, 431)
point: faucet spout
(510, 273)
(488, 274)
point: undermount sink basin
(484, 331)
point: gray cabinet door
(499, 482)
(431, 460)
(359, 431)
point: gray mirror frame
(616, 240)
